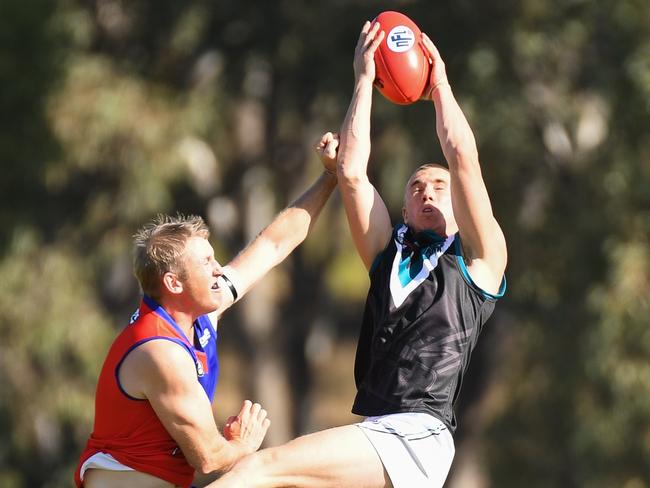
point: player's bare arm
(484, 245)
(163, 373)
(366, 212)
(273, 244)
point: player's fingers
(363, 34)
(375, 43)
(255, 410)
(330, 152)
(244, 413)
(330, 148)
(430, 46)
(261, 415)
(261, 429)
(246, 406)
(322, 142)
(372, 34)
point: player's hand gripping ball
(401, 64)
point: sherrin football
(401, 64)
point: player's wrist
(364, 80)
(439, 85)
(432, 91)
(240, 449)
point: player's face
(427, 201)
(201, 272)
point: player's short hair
(426, 166)
(418, 169)
(158, 248)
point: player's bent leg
(341, 457)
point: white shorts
(102, 460)
(415, 448)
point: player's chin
(429, 221)
(213, 301)
(431, 216)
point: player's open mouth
(427, 210)
(215, 286)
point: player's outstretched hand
(248, 427)
(327, 149)
(438, 76)
(364, 54)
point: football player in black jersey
(434, 281)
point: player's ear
(404, 215)
(172, 283)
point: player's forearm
(455, 135)
(292, 225)
(283, 235)
(354, 150)
(470, 199)
(220, 457)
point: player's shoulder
(161, 357)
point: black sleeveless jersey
(422, 320)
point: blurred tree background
(116, 110)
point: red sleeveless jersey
(127, 428)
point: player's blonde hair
(159, 246)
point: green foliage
(114, 111)
(52, 335)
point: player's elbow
(206, 468)
(350, 176)
(202, 463)
(351, 167)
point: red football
(402, 66)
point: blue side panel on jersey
(208, 381)
(202, 325)
(468, 278)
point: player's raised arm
(273, 244)
(484, 245)
(367, 214)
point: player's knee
(255, 466)
(247, 469)
(269, 456)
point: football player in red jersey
(154, 424)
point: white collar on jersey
(412, 266)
